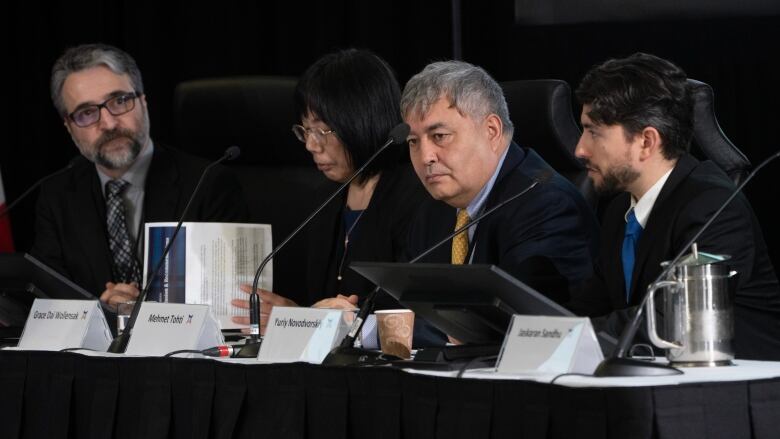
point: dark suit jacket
(547, 238)
(380, 235)
(70, 229)
(693, 192)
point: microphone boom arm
(368, 304)
(254, 299)
(252, 346)
(119, 344)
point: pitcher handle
(651, 326)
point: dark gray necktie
(125, 265)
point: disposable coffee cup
(395, 327)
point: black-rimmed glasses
(117, 105)
(319, 134)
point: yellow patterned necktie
(460, 243)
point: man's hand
(339, 302)
(267, 302)
(119, 293)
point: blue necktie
(630, 239)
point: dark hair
(356, 94)
(76, 59)
(641, 91)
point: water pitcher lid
(702, 259)
(696, 258)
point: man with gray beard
(89, 221)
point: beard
(616, 179)
(118, 157)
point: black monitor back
(22, 279)
(472, 303)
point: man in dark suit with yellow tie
(461, 148)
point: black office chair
(709, 140)
(541, 112)
(277, 173)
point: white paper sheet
(207, 264)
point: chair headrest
(541, 112)
(253, 112)
(709, 138)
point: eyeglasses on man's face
(117, 105)
(302, 133)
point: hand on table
(339, 302)
(268, 300)
(117, 293)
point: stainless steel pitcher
(697, 311)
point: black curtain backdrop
(178, 41)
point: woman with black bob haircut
(355, 94)
(348, 103)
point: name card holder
(162, 328)
(57, 324)
(303, 334)
(541, 344)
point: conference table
(64, 394)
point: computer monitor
(22, 279)
(472, 303)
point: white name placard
(162, 328)
(303, 334)
(56, 324)
(542, 344)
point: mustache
(587, 164)
(114, 134)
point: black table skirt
(58, 395)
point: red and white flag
(6, 241)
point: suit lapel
(162, 189)
(88, 213)
(514, 156)
(613, 231)
(441, 222)
(653, 230)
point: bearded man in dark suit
(89, 221)
(637, 120)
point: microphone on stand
(251, 348)
(620, 365)
(119, 344)
(24, 195)
(345, 353)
